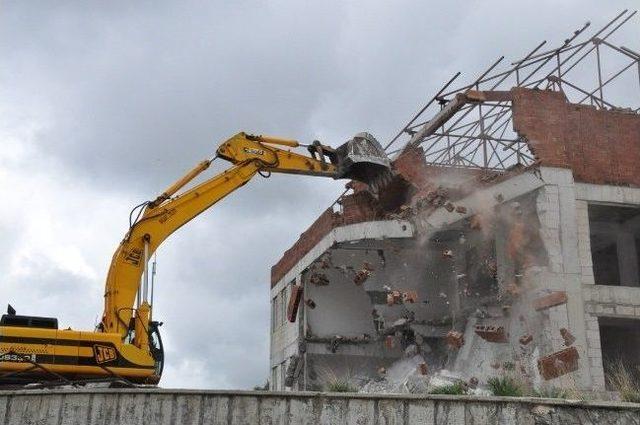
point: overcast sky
(103, 104)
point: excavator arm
(33, 349)
(167, 213)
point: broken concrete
(477, 272)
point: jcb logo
(104, 354)
(254, 151)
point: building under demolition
(507, 242)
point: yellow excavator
(126, 346)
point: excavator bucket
(363, 159)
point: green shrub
(505, 386)
(551, 392)
(341, 386)
(454, 389)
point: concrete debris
(293, 371)
(423, 369)
(495, 334)
(319, 279)
(344, 269)
(461, 210)
(473, 382)
(525, 339)
(325, 261)
(310, 303)
(569, 339)
(394, 297)
(559, 363)
(513, 289)
(455, 339)
(449, 207)
(361, 276)
(447, 253)
(410, 297)
(551, 300)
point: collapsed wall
(456, 273)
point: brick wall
(355, 208)
(601, 147)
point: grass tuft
(551, 392)
(341, 386)
(622, 379)
(505, 386)
(454, 389)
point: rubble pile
(465, 303)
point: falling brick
(361, 276)
(473, 382)
(394, 297)
(525, 339)
(449, 207)
(310, 303)
(455, 339)
(423, 369)
(475, 223)
(492, 333)
(410, 297)
(294, 303)
(513, 289)
(389, 342)
(569, 339)
(551, 300)
(559, 363)
(319, 279)
(461, 210)
(368, 266)
(447, 253)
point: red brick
(559, 363)
(294, 303)
(455, 339)
(423, 369)
(569, 339)
(600, 146)
(389, 342)
(525, 339)
(492, 333)
(551, 300)
(410, 297)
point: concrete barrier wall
(156, 406)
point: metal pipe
(145, 273)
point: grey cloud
(128, 95)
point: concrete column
(627, 258)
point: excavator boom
(127, 343)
